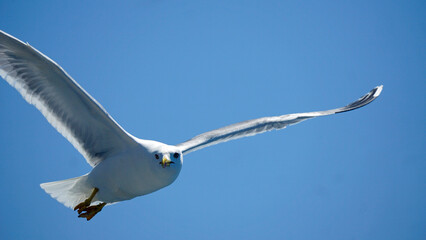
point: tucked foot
(83, 205)
(91, 211)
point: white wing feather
(260, 125)
(67, 107)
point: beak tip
(165, 162)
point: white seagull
(124, 166)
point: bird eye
(176, 155)
(156, 156)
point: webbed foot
(91, 211)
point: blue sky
(169, 70)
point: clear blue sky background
(169, 70)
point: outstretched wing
(260, 125)
(67, 107)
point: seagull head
(166, 162)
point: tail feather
(69, 192)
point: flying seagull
(124, 166)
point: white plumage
(124, 166)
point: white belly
(129, 175)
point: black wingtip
(364, 100)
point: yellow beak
(166, 162)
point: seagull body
(124, 166)
(113, 174)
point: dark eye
(156, 156)
(176, 155)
